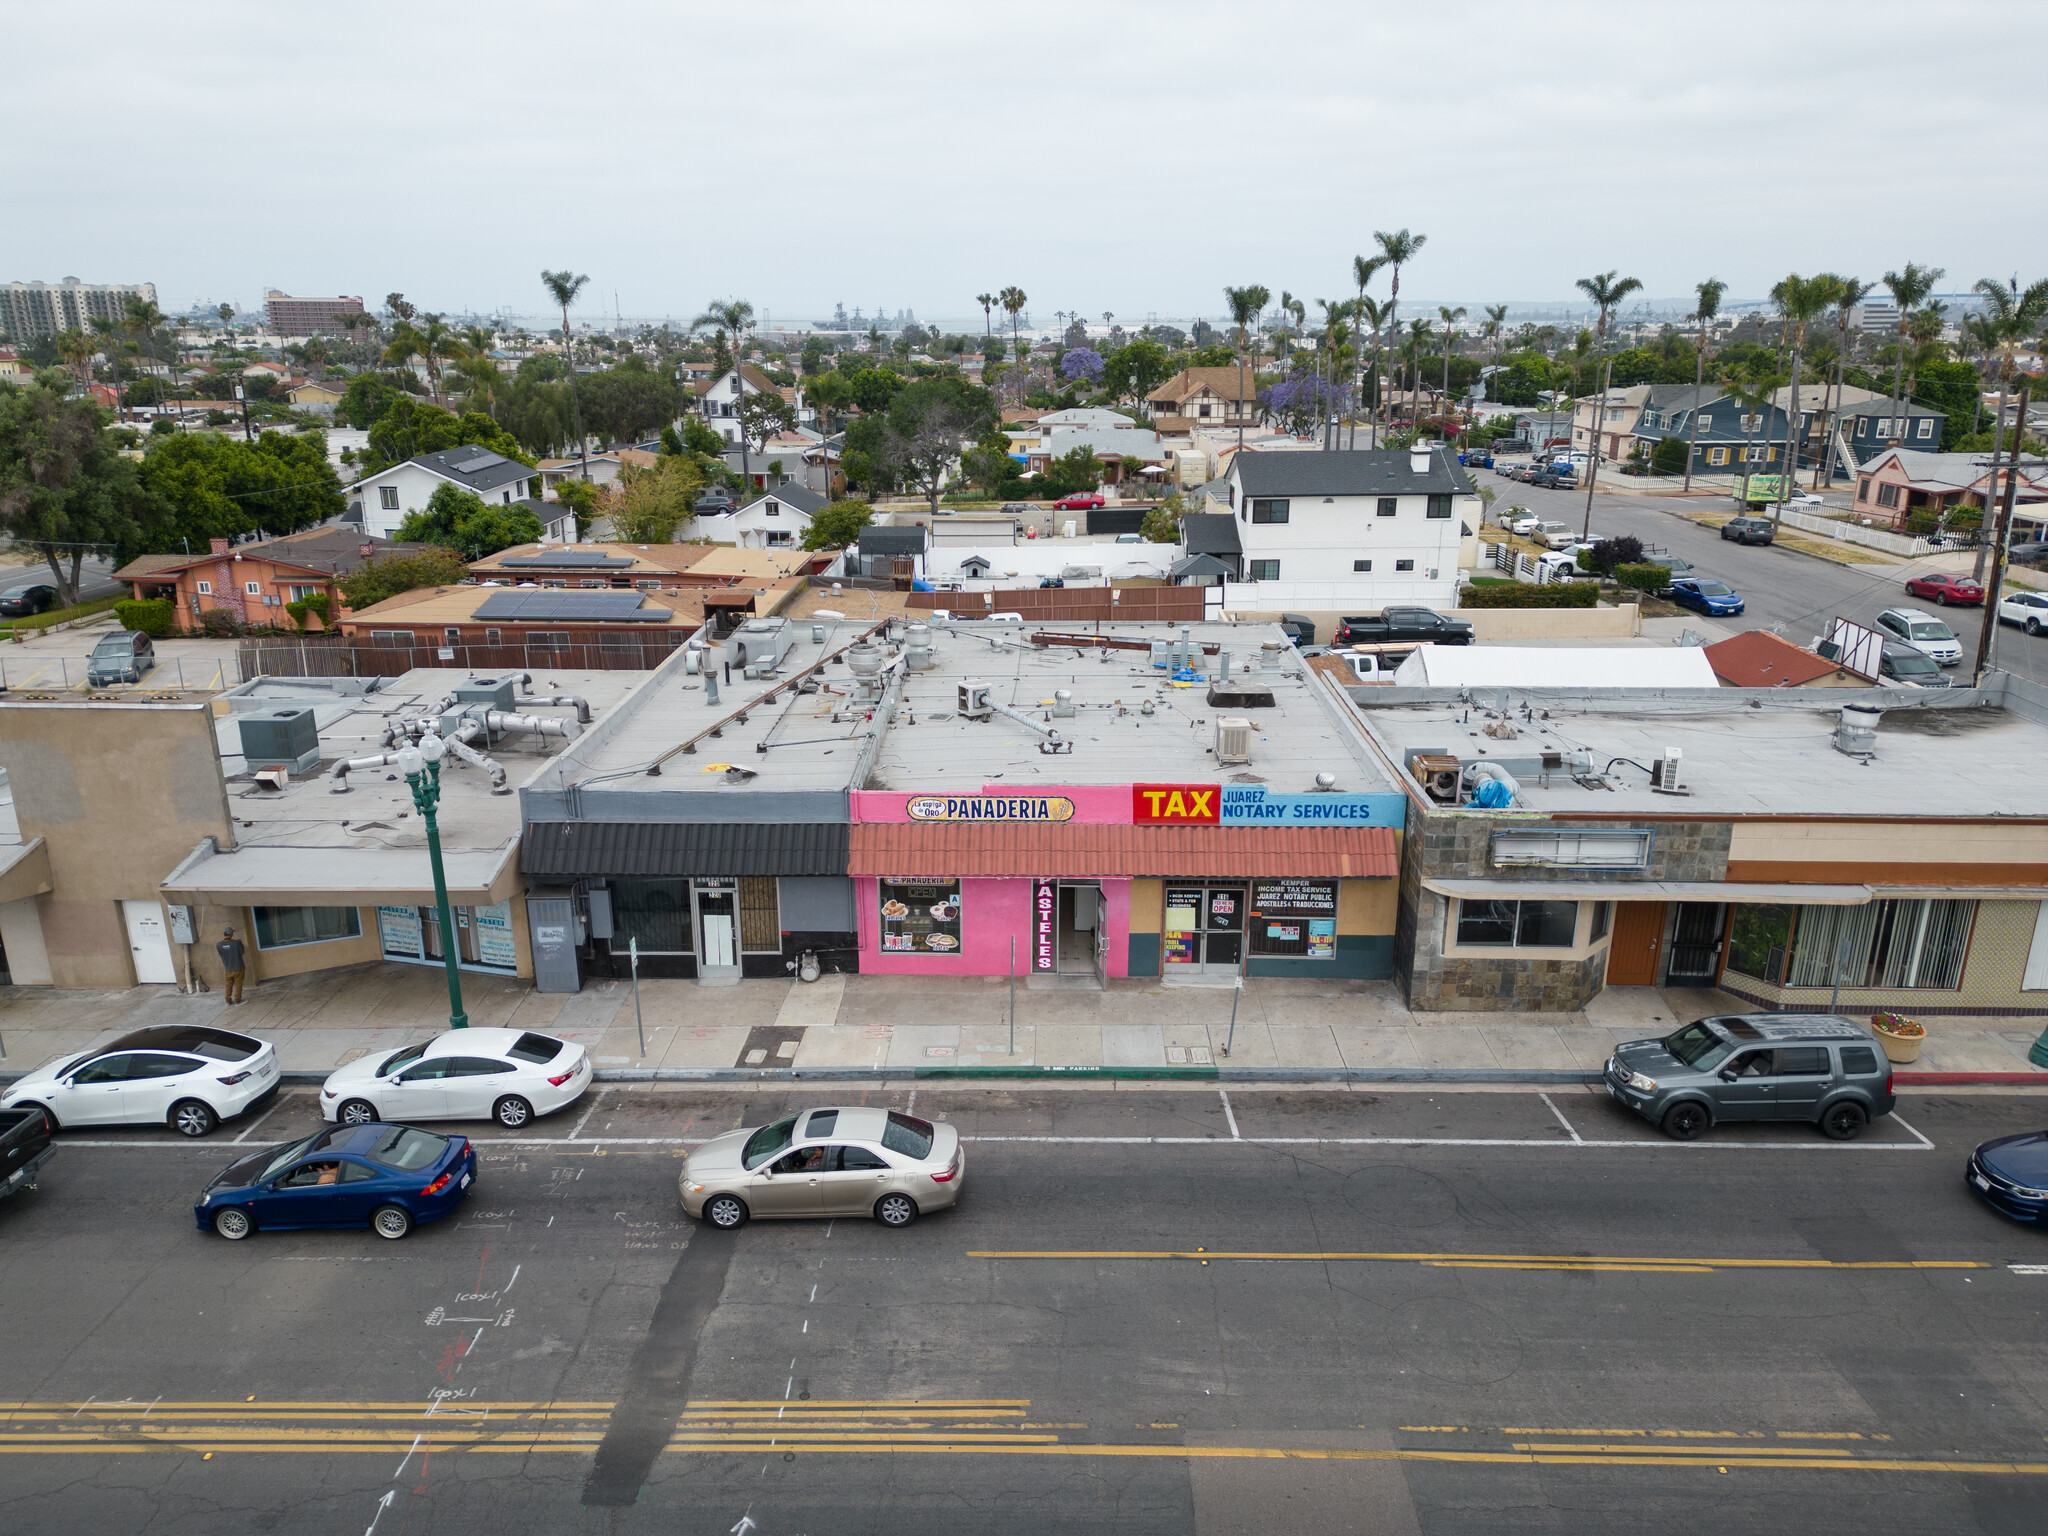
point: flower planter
(1900, 1037)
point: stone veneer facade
(1444, 844)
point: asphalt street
(1786, 590)
(1175, 1310)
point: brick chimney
(220, 546)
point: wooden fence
(1072, 605)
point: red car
(1947, 589)
(1088, 501)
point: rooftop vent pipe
(1856, 734)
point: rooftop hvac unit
(1667, 774)
(1856, 735)
(497, 692)
(282, 736)
(1233, 739)
(760, 641)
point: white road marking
(408, 1455)
(2027, 1269)
(1227, 1115)
(274, 1108)
(1916, 1134)
(382, 1505)
(512, 1282)
(1560, 1116)
(1921, 1145)
(814, 1293)
(589, 1112)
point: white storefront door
(149, 942)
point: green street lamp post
(421, 766)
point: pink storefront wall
(992, 911)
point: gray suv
(1820, 1068)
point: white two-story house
(719, 399)
(389, 495)
(1360, 529)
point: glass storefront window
(1758, 941)
(1914, 945)
(1294, 917)
(920, 917)
(1518, 924)
(484, 939)
(654, 911)
(277, 927)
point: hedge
(1556, 594)
(156, 616)
(42, 621)
(1647, 577)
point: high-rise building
(30, 310)
(307, 317)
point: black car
(1748, 530)
(32, 597)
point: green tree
(211, 486)
(1850, 293)
(837, 526)
(762, 413)
(1397, 249)
(365, 400)
(432, 344)
(1135, 369)
(629, 402)
(65, 489)
(874, 389)
(389, 575)
(1801, 300)
(1909, 290)
(463, 521)
(650, 504)
(1013, 300)
(562, 287)
(1704, 311)
(1162, 523)
(413, 427)
(928, 422)
(583, 500)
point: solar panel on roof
(483, 460)
(571, 557)
(587, 607)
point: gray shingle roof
(893, 541)
(793, 495)
(474, 468)
(1210, 533)
(1361, 472)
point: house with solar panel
(492, 628)
(389, 495)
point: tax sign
(1178, 804)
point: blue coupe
(2012, 1174)
(1705, 595)
(381, 1176)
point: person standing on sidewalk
(234, 961)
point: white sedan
(1519, 520)
(506, 1075)
(2029, 610)
(187, 1076)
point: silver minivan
(1822, 1069)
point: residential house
(317, 395)
(1213, 536)
(776, 519)
(1727, 440)
(779, 459)
(891, 552)
(1209, 398)
(718, 399)
(1371, 526)
(255, 581)
(11, 365)
(1124, 454)
(492, 627)
(1617, 426)
(605, 468)
(1869, 427)
(390, 495)
(1897, 483)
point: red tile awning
(948, 850)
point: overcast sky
(1126, 157)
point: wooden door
(1632, 959)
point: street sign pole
(633, 959)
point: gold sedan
(826, 1162)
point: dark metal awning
(586, 849)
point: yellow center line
(1710, 1451)
(1682, 1265)
(1594, 1265)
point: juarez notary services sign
(990, 808)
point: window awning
(1653, 890)
(947, 850)
(25, 870)
(570, 850)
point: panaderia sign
(990, 808)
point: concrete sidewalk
(847, 1023)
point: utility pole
(2003, 531)
(1593, 467)
(1990, 496)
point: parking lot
(1156, 1310)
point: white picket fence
(1853, 533)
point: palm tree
(1909, 290)
(76, 348)
(985, 300)
(1753, 389)
(1450, 318)
(140, 317)
(1801, 300)
(1372, 313)
(563, 286)
(1246, 305)
(1363, 270)
(1924, 329)
(1335, 335)
(1850, 292)
(478, 369)
(1013, 299)
(1606, 292)
(227, 314)
(1496, 317)
(1708, 307)
(1396, 251)
(1419, 331)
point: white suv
(1924, 632)
(188, 1076)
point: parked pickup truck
(24, 1147)
(1415, 626)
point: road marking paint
(1618, 1269)
(1914, 1131)
(578, 1131)
(1560, 1116)
(408, 1455)
(1228, 1115)
(512, 1282)
(1497, 1260)
(274, 1108)
(2028, 1269)
(1715, 1451)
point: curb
(1960, 1079)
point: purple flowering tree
(1081, 363)
(1301, 403)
